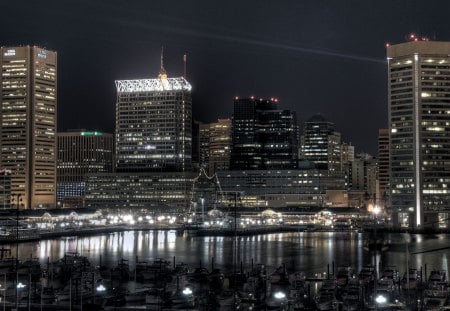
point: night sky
(315, 56)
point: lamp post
(4, 292)
(202, 201)
(281, 297)
(18, 200)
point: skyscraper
(154, 124)
(321, 144)
(263, 136)
(81, 153)
(219, 145)
(419, 124)
(28, 83)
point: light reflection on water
(311, 252)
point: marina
(279, 271)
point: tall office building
(419, 124)
(263, 136)
(81, 153)
(28, 84)
(219, 145)
(383, 166)
(203, 139)
(154, 124)
(321, 144)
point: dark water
(310, 252)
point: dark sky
(315, 56)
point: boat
(413, 281)
(367, 275)
(138, 295)
(434, 300)
(343, 275)
(437, 280)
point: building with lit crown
(153, 148)
(419, 125)
(81, 153)
(28, 97)
(153, 124)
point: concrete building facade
(81, 153)
(419, 127)
(28, 97)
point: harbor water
(310, 252)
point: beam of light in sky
(254, 42)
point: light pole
(202, 201)
(18, 195)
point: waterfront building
(28, 97)
(363, 176)
(263, 136)
(321, 144)
(154, 124)
(167, 192)
(298, 188)
(419, 125)
(383, 167)
(81, 153)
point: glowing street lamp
(280, 295)
(187, 291)
(380, 299)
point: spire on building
(162, 70)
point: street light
(380, 299)
(187, 291)
(280, 295)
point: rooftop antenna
(162, 71)
(184, 65)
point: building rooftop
(152, 85)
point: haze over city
(315, 56)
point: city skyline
(315, 57)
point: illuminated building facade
(215, 145)
(383, 166)
(419, 124)
(219, 145)
(81, 153)
(153, 124)
(321, 144)
(28, 86)
(263, 137)
(303, 188)
(5, 188)
(159, 192)
(203, 145)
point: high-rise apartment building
(28, 86)
(419, 124)
(263, 136)
(81, 153)
(154, 124)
